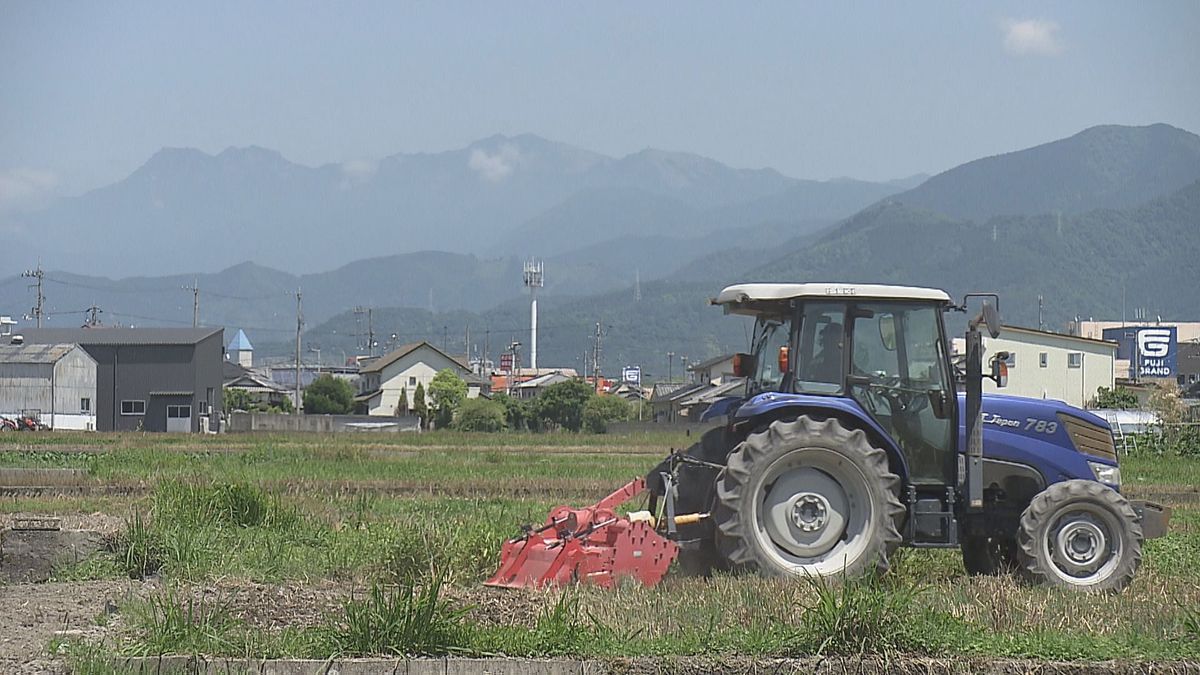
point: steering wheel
(901, 399)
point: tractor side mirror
(744, 365)
(999, 372)
(991, 319)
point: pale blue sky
(89, 90)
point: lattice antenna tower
(534, 280)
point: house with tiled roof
(383, 380)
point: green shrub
(600, 411)
(560, 405)
(1117, 398)
(480, 414)
(329, 395)
(448, 391)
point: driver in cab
(827, 364)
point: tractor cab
(882, 349)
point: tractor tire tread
(1043, 507)
(733, 486)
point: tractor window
(772, 370)
(898, 369)
(875, 348)
(822, 340)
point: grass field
(369, 544)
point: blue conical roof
(240, 343)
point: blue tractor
(852, 439)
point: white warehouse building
(1041, 364)
(55, 382)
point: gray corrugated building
(55, 382)
(154, 379)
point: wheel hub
(810, 512)
(1082, 543)
(805, 512)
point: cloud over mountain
(1031, 37)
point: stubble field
(315, 546)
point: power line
(109, 289)
(114, 289)
(146, 318)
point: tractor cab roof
(755, 299)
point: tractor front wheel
(808, 497)
(1080, 534)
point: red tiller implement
(591, 545)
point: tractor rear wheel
(989, 555)
(808, 497)
(1080, 534)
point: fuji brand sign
(1156, 352)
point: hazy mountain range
(636, 243)
(185, 210)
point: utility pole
(596, 358)
(514, 348)
(370, 331)
(299, 325)
(445, 337)
(1041, 305)
(38, 309)
(195, 289)
(670, 365)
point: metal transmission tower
(39, 308)
(195, 289)
(533, 281)
(370, 344)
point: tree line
(564, 406)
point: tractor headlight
(1106, 473)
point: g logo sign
(1154, 343)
